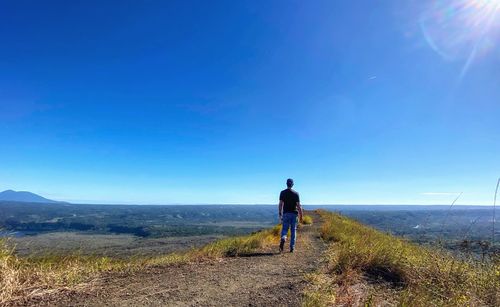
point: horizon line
(241, 204)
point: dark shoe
(291, 250)
(282, 244)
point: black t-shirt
(290, 199)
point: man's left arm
(299, 208)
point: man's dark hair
(289, 182)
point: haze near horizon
(196, 102)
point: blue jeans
(289, 221)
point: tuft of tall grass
(422, 276)
(21, 277)
(9, 277)
(307, 220)
(239, 245)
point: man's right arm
(299, 208)
(280, 205)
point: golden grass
(28, 276)
(320, 291)
(239, 245)
(420, 276)
(24, 277)
(307, 220)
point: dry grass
(26, 277)
(31, 276)
(414, 275)
(321, 290)
(307, 220)
(239, 245)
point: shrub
(307, 220)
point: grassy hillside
(362, 267)
(365, 266)
(21, 276)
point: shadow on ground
(257, 254)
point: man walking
(289, 208)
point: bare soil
(263, 278)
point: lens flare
(462, 29)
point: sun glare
(462, 29)
(482, 11)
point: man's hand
(299, 207)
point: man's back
(290, 199)
(289, 208)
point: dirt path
(264, 278)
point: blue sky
(391, 102)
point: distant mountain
(24, 196)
